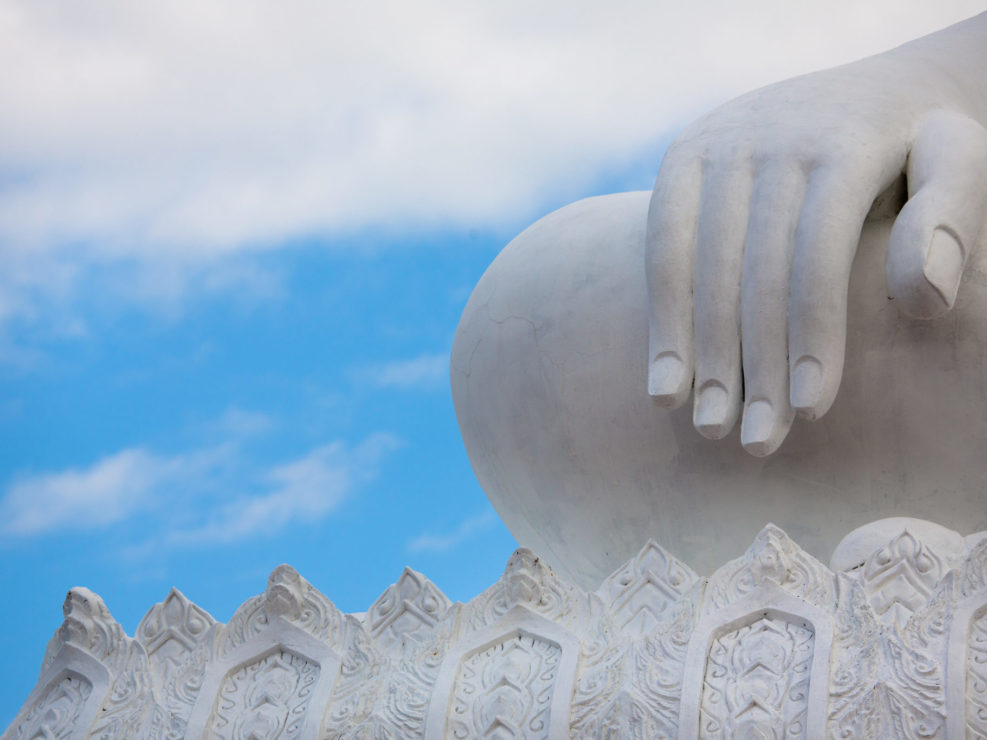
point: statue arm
(757, 211)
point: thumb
(942, 221)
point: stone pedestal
(773, 643)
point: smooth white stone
(549, 378)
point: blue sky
(234, 247)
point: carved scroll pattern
(357, 684)
(646, 706)
(900, 699)
(660, 667)
(774, 558)
(54, 717)
(180, 683)
(90, 626)
(601, 669)
(887, 671)
(505, 691)
(175, 634)
(402, 701)
(530, 582)
(757, 681)
(408, 609)
(976, 679)
(290, 597)
(265, 699)
(651, 602)
(130, 700)
(639, 593)
(172, 628)
(888, 682)
(899, 578)
(974, 571)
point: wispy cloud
(95, 497)
(190, 494)
(423, 372)
(440, 543)
(306, 489)
(240, 423)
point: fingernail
(665, 378)
(709, 414)
(755, 431)
(806, 385)
(944, 265)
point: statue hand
(757, 212)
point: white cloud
(422, 372)
(239, 423)
(306, 489)
(203, 128)
(445, 542)
(185, 490)
(105, 493)
(173, 135)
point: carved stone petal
(640, 592)
(408, 607)
(176, 618)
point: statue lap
(549, 372)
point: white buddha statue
(769, 264)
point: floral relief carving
(646, 704)
(180, 686)
(899, 578)
(601, 671)
(554, 612)
(407, 609)
(173, 628)
(660, 668)
(55, 716)
(290, 597)
(130, 700)
(355, 689)
(505, 690)
(888, 680)
(89, 626)
(899, 698)
(974, 577)
(536, 656)
(757, 680)
(640, 592)
(976, 679)
(530, 582)
(265, 699)
(402, 701)
(636, 690)
(773, 557)
(177, 636)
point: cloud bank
(424, 372)
(442, 543)
(95, 497)
(204, 128)
(192, 496)
(180, 133)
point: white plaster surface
(756, 215)
(732, 278)
(772, 644)
(549, 377)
